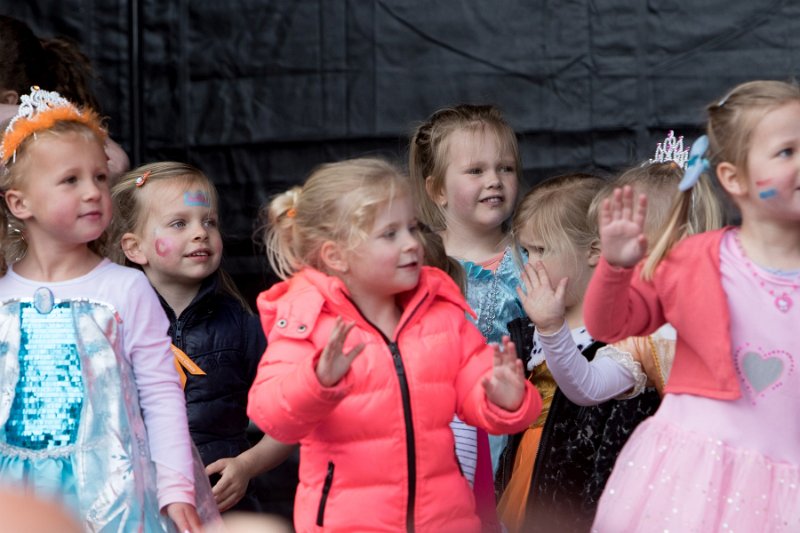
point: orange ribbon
(182, 361)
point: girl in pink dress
(722, 452)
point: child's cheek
(164, 247)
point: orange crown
(39, 111)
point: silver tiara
(671, 150)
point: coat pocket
(326, 488)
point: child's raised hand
(506, 387)
(543, 305)
(622, 228)
(333, 363)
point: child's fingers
(542, 276)
(352, 354)
(641, 211)
(605, 216)
(561, 290)
(627, 203)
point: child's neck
(574, 315)
(772, 245)
(177, 296)
(472, 246)
(382, 312)
(55, 265)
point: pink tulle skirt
(668, 479)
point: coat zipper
(411, 451)
(326, 488)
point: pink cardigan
(363, 451)
(686, 291)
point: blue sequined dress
(71, 425)
(493, 297)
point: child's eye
(535, 250)
(786, 152)
(475, 170)
(70, 179)
(177, 224)
(414, 228)
(210, 223)
(101, 178)
(507, 169)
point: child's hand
(544, 306)
(232, 483)
(621, 228)
(333, 364)
(185, 517)
(506, 387)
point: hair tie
(291, 212)
(141, 180)
(697, 164)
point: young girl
(722, 450)
(54, 64)
(625, 369)
(564, 458)
(166, 224)
(92, 411)
(369, 356)
(463, 163)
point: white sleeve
(160, 396)
(583, 382)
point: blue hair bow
(696, 165)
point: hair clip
(697, 164)
(724, 99)
(141, 180)
(670, 150)
(291, 212)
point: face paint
(767, 194)
(761, 183)
(196, 198)
(163, 247)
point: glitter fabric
(49, 394)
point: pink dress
(701, 464)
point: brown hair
(731, 122)
(53, 64)
(557, 209)
(338, 202)
(429, 146)
(12, 240)
(130, 209)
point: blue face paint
(767, 193)
(196, 198)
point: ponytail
(278, 216)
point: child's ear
(731, 179)
(594, 253)
(15, 200)
(131, 247)
(438, 197)
(334, 257)
(9, 96)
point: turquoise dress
(493, 297)
(70, 423)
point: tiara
(41, 110)
(671, 150)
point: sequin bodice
(49, 393)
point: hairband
(696, 165)
(291, 212)
(39, 111)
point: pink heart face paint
(163, 247)
(196, 198)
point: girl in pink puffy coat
(370, 354)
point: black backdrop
(258, 92)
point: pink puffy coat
(377, 452)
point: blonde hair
(428, 151)
(731, 122)
(12, 240)
(131, 208)
(436, 256)
(557, 211)
(338, 202)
